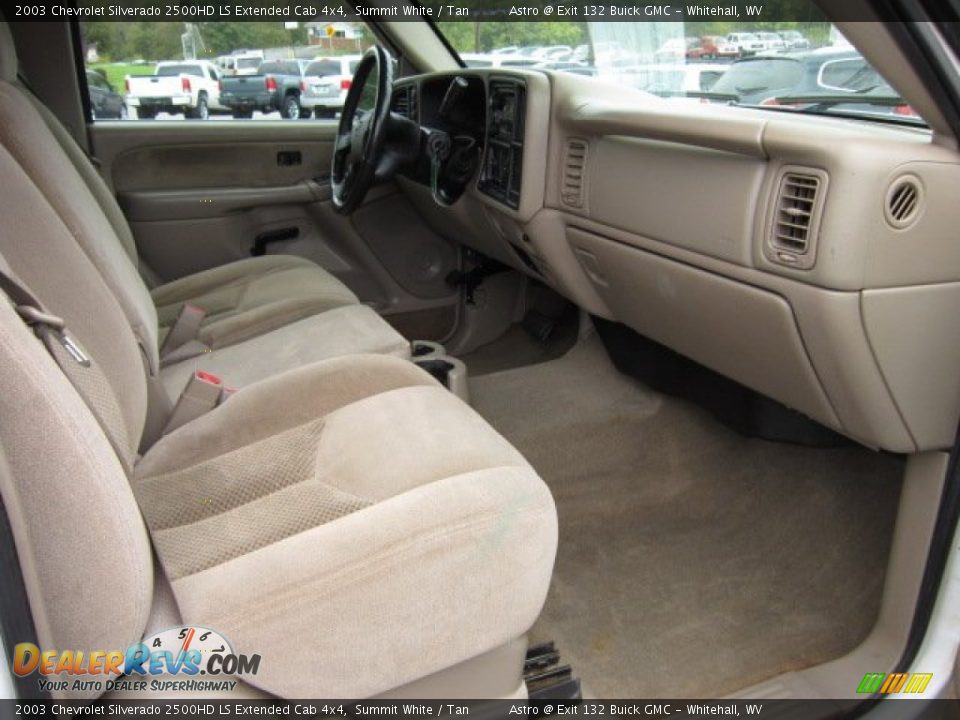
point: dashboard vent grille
(796, 212)
(405, 102)
(904, 200)
(574, 168)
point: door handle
(261, 241)
(289, 158)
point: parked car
(189, 87)
(227, 64)
(275, 88)
(762, 79)
(480, 60)
(718, 46)
(772, 42)
(242, 62)
(708, 47)
(105, 101)
(794, 40)
(703, 49)
(569, 66)
(746, 43)
(516, 61)
(673, 79)
(325, 84)
(247, 63)
(553, 52)
(527, 50)
(483, 60)
(674, 49)
(608, 52)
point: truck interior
(505, 383)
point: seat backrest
(79, 536)
(91, 176)
(83, 549)
(25, 132)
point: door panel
(195, 203)
(230, 162)
(198, 195)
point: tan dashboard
(813, 259)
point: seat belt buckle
(204, 392)
(185, 328)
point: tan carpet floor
(692, 561)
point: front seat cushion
(250, 297)
(346, 330)
(360, 505)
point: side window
(219, 71)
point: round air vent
(904, 201)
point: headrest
(8, 53)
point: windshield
(774, 66)
(248, 63)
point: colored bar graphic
(893, 683)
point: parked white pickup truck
(191, 87)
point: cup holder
(439, 368)
(449, 371)
(426, 350)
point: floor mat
(692, 561)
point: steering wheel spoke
(343, 143)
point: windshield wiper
(815, 103)
(829, 105)
(729, 97)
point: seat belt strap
(45, 325)
(185, 329)
(86, 376)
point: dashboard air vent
(903, 202)
(405, 102)
(574, 169)
(795, 208)
(795, 225)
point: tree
(486, 36)
(222, 38)
(460, 34)
(155, 40)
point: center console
(500, 176)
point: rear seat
(296, 311)
(353, 505)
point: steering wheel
(362, 131)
